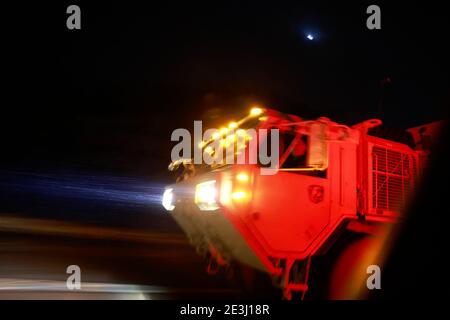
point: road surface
(115, 263)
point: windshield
(282, 142)
(233, 148)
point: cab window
(295, 152)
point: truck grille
(392, 178)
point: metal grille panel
(392, 178)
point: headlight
(168, 200)
(206, 195)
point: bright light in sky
(310, 36)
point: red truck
(331, 180)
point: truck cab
(328, 177)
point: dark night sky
(107, 97)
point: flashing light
(232, 190)
(209, 149)
(205, 195)
(243, 177)
(233, 125)
(201, 144)
(256, 111)
(231, 137)
(168, 199)
(239, 195)
(226, 189)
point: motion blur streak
(55, 227)
(124, 191)
(113, 227)
(48, 285)
(48, 289)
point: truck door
(291, 208)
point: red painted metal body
(297, 213)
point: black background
(107, 97)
